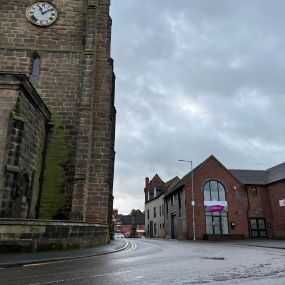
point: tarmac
(24, 259)
(8, 260)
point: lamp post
(193, 197)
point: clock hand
(47, 11)
(40, 9)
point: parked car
(132, 235)
(119, 235)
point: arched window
(36, 62)
(215, 205)
(214, 191)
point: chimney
(146, 181)
(145, 189)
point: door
(217, 225)
(151, 229)
(173, 226)
(257, 227)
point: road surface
(155, 261)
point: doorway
(257, 227)
(173, 226)
(151, 228)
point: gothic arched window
(36, 62)
(215, 204)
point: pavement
(22, 259)
(269, 243)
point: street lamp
(193, 197)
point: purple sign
(215, 206)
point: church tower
(62, 47)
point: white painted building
(154, 206)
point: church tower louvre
(57, 100)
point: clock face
(41, 13)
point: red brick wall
(236, 197)
(260, 206)
(276, 193)
(155, 182)
(141, 227)
(259, 203)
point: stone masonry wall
(76, 82)
(100, 182)
(180, 214)
(157, 219)
(59, 48)
(38, 235)
(32, 147)
(7, 102)
(24, 148)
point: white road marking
(127, 249)
(131, 247)
(37, 264)
(80, 278)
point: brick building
(59, 54)
(128, 224)
(228, 203)
(155, 190)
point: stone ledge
(17, 117)
(38, 235)
(12, 168)
(6, 221)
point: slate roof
(164, 188)
(140, 220)
(260, 177)
(256, 177)
(127, 219)
(276, 173)
(247, 177)
(168, 183)
(183, 180)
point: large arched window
(215, 205)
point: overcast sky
(196, 78)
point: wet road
(153, 261)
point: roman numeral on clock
(34, 18)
